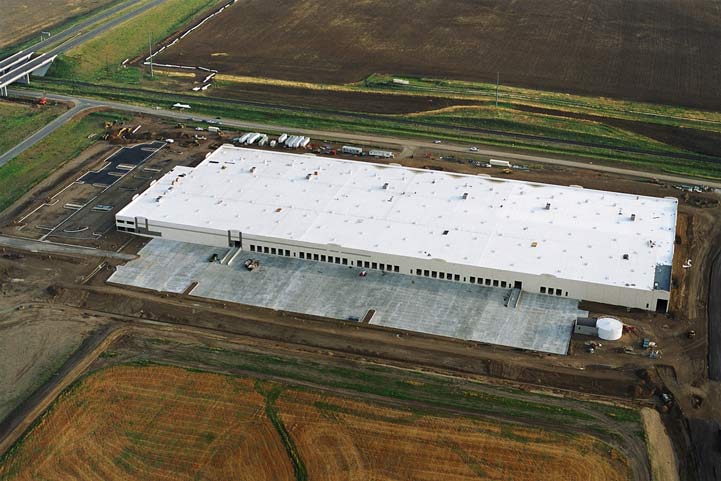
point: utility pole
(498, 81)
(150, 48)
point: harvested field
(363, 441)
(650, 50)
(131, 422)
(20, 18)
(153, 423)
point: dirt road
(21, 418)
(54, 248)
(714, 319)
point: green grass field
(32, 166)
(602, 140)
(100, 58)
(19, 120)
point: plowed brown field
(162, 423)
(651, 50)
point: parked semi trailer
(251, 140)
(384, 154)
(349, 149)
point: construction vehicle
(252, 264)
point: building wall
(432, 268)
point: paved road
(77, 28)
(375, 140)
(41, 134)
(52, 248)
(77, 36)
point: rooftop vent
(625, 257)
(633, 217)
(465, 195)
(445, 232)
(385, 186)
(548, 206)
(252, 170)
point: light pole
(150, 48)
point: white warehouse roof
(474, 220)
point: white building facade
(597, 246)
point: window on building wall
(503, 283)
(426, 273)
(252, 248)
(322, 257)
(419, 272)
(488, 282)
(273, 250)
(543, 290)
(367, 265)
(457, 277)
(382, 267)
(301, 255)
(396, 268)
(359, 263)
(316, 257)
(287, 253)
(434, 274)
(558, 292)
(441, 275)
(266, 250)
(345, 261)
(337, 260)
(473, 280)
(495, 283)
(566, 293)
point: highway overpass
(20, 69)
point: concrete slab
(464, 311)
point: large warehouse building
(583, 244)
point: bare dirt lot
(34, 343)
(20, 19)
(650, 50)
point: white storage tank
(609, 328)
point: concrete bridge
(19, 67)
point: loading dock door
(235, 238)
(661, 305)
